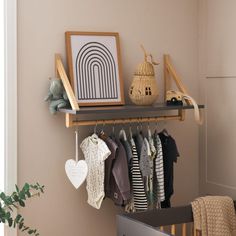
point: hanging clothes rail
(72, 115)
(71, 121)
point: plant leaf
(18, 217)
(8, 215)
(16, 198)
(26, 187)
(22, 203)
(21, 225)
(17, 189)
(30, 231)
(26, 228)
(10, 221)
(22, 195)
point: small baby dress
(95, 153)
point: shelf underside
(127, 109)
(124, 114)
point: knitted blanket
(214, 216)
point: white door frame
(11, 99)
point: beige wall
(163, 26)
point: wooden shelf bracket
(60, 71)
(170, 72)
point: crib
(171, 221)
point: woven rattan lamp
(144, 90)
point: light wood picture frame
(95, 68)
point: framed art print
(95, 68)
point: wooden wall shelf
(79, 116)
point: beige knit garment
(95, 153)
(214, 216)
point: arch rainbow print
(94, 66)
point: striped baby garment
(139, 195)
(150, 178)
(159, 170)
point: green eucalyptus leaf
(9, 200)
(22, 203)
(16, 198)
(30, 231)
(22, 195)
(28, 194)
(3, 196)
(21, 225)
(17, 189)
(18, 217)
(13, 204)
(10, 221)
(25, 228)
(10, 208)
(8, 215)
(2, 211)
(42, 189)
(26, 187)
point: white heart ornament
(76, 171)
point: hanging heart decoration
(76, 172)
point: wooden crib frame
(160, 220)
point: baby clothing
(137, 174)
(144, 161)
(109, 163)
(119, 182)
(159, 190)
(139, 195)
(170, 154)
(95, 153)
(143, 151)
(151, 162)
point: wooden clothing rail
(71, 121)
(73, 114)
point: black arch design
(94, 62)
(101, 68)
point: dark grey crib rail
(167, 216)
(154, 222)
(163, 217)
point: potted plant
(10, 203)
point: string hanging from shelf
(76, 170)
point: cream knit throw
(214, 215)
